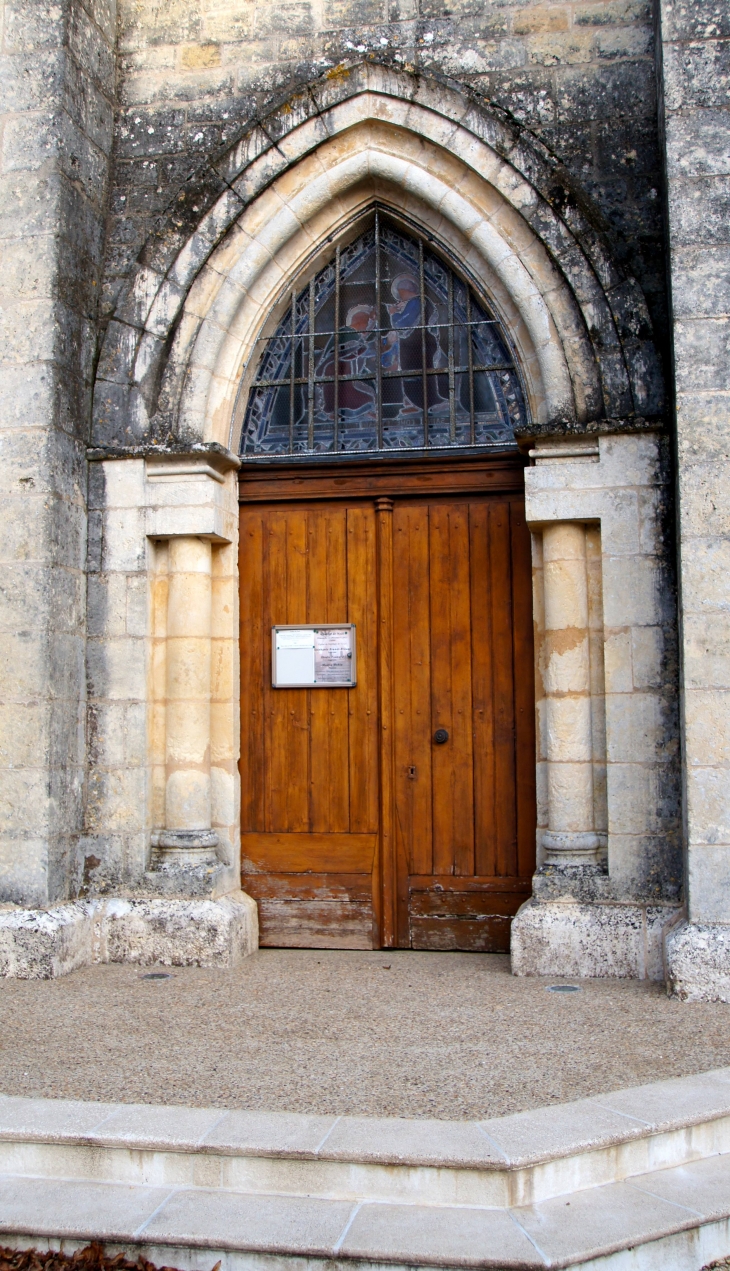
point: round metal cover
(563, 988)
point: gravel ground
(450, 1035)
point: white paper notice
(333, 655)
(299, 638)
(295, 657)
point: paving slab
(62, 1207)
(450, 1036)
(279, 1224)
(451, 1237)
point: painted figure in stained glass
(404, 347)
(356, 398)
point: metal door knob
(440, 736)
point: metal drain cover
(156, 975)
(563, 988)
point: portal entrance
(400, 811)
(396, 808)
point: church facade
(366, 565)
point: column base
(44, 944)
(698, 962)
(572, 848)
(188, 847)
(568, 939)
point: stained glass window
(386, 349)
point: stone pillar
(571, 838)
(187, 835)
(696, 124)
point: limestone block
(635, 591)
(708, 881)
(38, 944)
(171, 932)
(698, 962)
(105, 734)
(708, 804)
(25, 803)
(122, 482)
(187, 800)
(634, 798)
(636, 728)
(706, 653)
(703, 506)
(135, 734)
(23, 664)
(648, 652)
(125, 548)
(117, 669)
(23, 867)
(707, 723)
(223, 796)
(617, 661)
(116, 800)
(106, 605)
(581, 940)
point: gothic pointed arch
(273, 208)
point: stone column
(187, 835)
(571, 838)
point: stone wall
(56, 125)
(580, 75)
(696, 112)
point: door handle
(440, 736)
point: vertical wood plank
(287, 581)
(482, 688)
(461, 742)
(363, 700)
(412, 662)
(327, 602)
(253, 670)
(275, 610)
(453, 817)
(384, 520)
(500, 554)
(440, 603)
(524, 691)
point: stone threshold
(635, 1177)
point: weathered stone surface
(43, 944)
(698, 962)
(572, 939)
(179, 932)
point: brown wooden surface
(309, 757)
(461, 573)
(359, 831)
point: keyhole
(412, 772)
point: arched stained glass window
(385, 350)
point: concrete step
(639, 1177)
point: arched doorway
(382, 508)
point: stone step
(639, 1176)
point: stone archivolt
(184, 332)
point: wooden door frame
(382, 481)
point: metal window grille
(386, 349)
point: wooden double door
(399, 812)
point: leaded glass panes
(385, 349)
